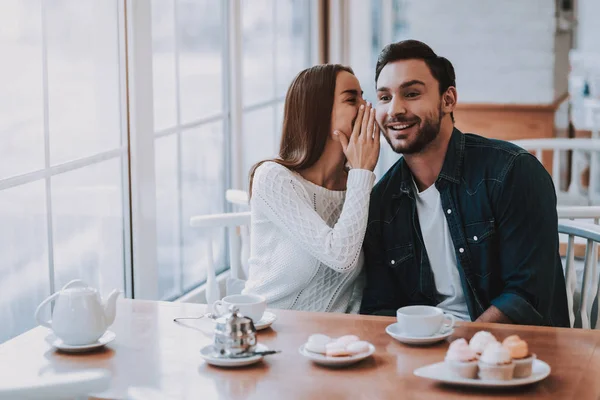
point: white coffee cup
(423, 321)
(250, 305)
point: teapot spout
(110, 308)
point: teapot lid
(234, 323)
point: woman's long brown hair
(306, 117)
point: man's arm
(494, 315)
(381, 296)
(527, 229)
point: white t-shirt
(440, 250)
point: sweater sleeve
(278, 194)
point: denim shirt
(500, 205)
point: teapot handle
(47, 324)
(75, 282)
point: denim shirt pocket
(401, 261)
(482, 247)
(478, 232)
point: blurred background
(122, 119)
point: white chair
(238, 197)
(586, 152)
(587, 214)
(232, 222)
(582, 292)
(590, 214)
(240, 200)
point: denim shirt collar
(451, 169)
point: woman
(309, 213)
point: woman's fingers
(343, 140)
(358, 123)
(370, 124)
(366, 119)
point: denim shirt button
(461, 250)
(475, 238)
(449, 211)
(393, 262)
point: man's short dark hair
(440, 67)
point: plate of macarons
(484, 361)
(336, 352)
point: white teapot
(79, 316)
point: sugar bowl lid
(234, 324)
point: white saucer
(394, 331)
(267, 319)
(439, 372)
(208, 354)
(322, 359)
(108, 337)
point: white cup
(423, 321)
(250, 305)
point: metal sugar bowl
(234, 334)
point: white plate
(394, 331)
(335, 361)
(208, 354)
(439, 372)
(108, 337)
(267, 319)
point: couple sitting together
(461, 222)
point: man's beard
(426, 134)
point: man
(461, 222)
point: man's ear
(449, 99)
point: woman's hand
(362, 149)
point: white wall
(588, 29)
(503, 51)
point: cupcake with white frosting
(461, 360)
(480, 340)
(496, 363)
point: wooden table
(160, 358)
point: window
(63, 153)
(193, 60)
(108, 111)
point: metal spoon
(207, 315)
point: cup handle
(449, 321)
(47, 324)
(216, 308)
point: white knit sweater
(306, 240)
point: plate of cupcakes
(487, 362)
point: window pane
(21, 101)
(401, 26)
(279, 124)
(163, 67)
(203, 178)
(167, 217)
(200, 26)
(259, 141)
(258, 49)
(292, 41)
(87, 208)
(83, 77)
(24, 278)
